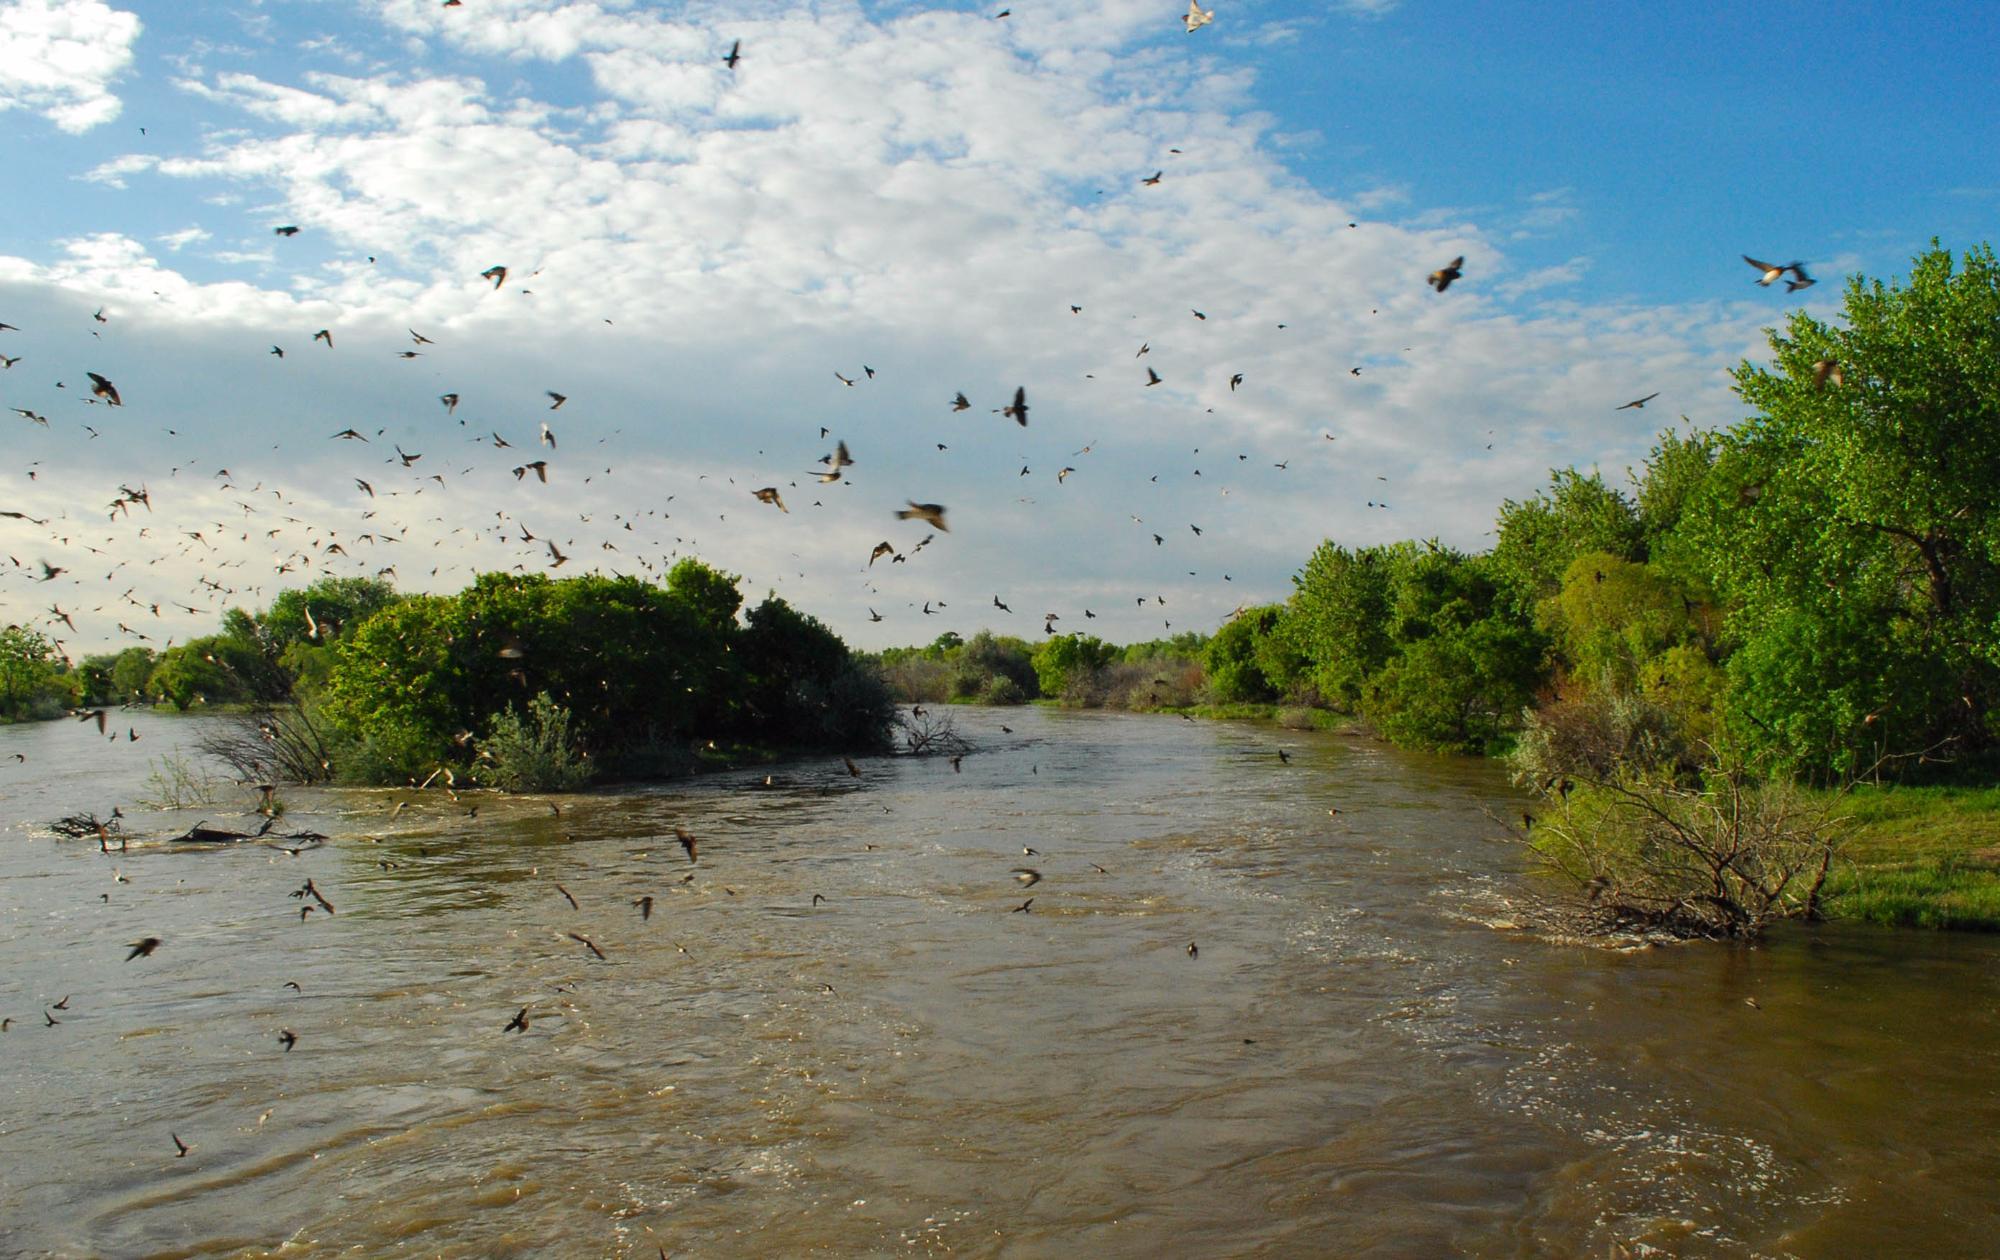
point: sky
(921, 199)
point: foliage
(1536, 540)
(1341, 607)
(1236, 656)
(535, 751)
(35, 679)
(1614, 616)
(1852, 531)
(995, 670)
(638, 668)
(1065, 664)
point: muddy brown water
(1354, 1061)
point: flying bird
(1152, 378)
(1638, 403)
(325, 335)
(883, 548)
(1018, 409)
(102, 388)
(1198, 17)
(450, 402)
(1441, 278)
(735, 55)
(959, 402)
(1769, 272)
(497, 274)
(930, 513)
(1825, 371)
(769, 494)
(558, 399)
(143, 948)
(1154, 178)
(288, 230)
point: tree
(1852, 529)
(35, 681)
(1615, 616)
(1235, 672)
(1537, 539)
(1067, 661)
(1340, 613)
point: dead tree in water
(930, 734)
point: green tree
(1852, 530)
(1065, 661)
(1616, 615)
(130, 671)
(1232, 659)
(995, 669)
(35, 681)
(192, 673)
(1340, 617)
(1537, 539)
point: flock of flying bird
(306, 548)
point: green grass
(1920, 857)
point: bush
(1588, 735)
(535, 753)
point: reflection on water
(835, 1032)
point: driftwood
(78, 826)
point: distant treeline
(1813, 589)
(519, 681)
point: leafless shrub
(281, 745)
(174, 783)
(1723, 858)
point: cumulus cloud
(59, 58)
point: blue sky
(925, 190)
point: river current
(1255, 1008)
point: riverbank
(1920, 857)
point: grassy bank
(1921, 857)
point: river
(835, 1035)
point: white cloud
(59, 58)
(176, 241)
